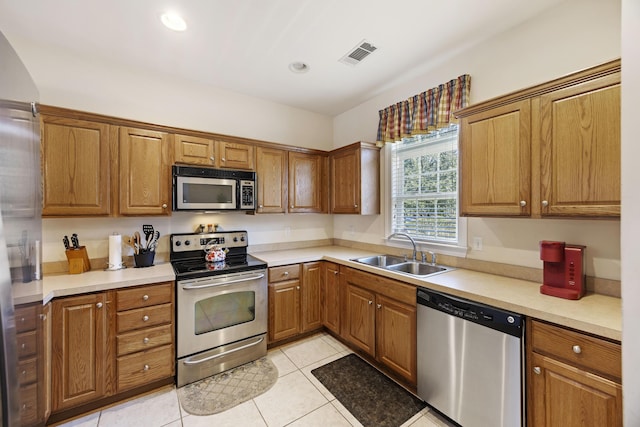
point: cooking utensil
(137, 242)
(74, 241)
(65, 241)
(129, 241)
(148, 231)
(151, 246)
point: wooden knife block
(78, 260)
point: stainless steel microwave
(208, 189)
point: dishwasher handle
(482, 314)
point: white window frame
(457, 248)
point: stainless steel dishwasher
(470, 360)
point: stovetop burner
(187, 254)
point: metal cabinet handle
(335, 272)
(212, 158)
(577, 349)
(223, 159)
(370, 302)
(260, 206)
(164, 206)
(355, 206)
(298, 287)
(545, 203)
(99, 305)
(145, 297)
(291, 206)
(145, 340)
(145, 318)
(379, 305)
(146, 368)
(523, 203)
(537, 370)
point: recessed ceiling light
(299, 67)
(173, 21)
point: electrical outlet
(477, 243)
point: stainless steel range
(221, 306)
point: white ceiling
(246, 45)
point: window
(424, 186)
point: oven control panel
(198, 241)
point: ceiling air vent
(358, 53)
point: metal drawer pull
(370, 302)
(545, 203)
(577, 349)
(537, 370)
(146, 368)
(216, 356)
(286, 273)
(145, 318)
(379, 305)
(145, 340)
(523, 203)
(145, 297)
(99, 305)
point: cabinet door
(75, 167)
(82, 354)
(194, 150)
(569, 397)
(495, 161)
(580, 149)
(331, 297)
(233, 155)
(307, 183)
(345, 182)
(311, 314)
(284, 309)
(145, 178)
(360, 319)
(271, 169)
(396, 336)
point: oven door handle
(191, 361)
(210, 284)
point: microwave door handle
(211, 284)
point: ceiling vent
(358, 53)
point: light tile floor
(297, 399)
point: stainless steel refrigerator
(20, 216)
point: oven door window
(223, 311)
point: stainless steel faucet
(412, 241)
(433, 257)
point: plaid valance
(425, 112)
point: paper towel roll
(115, 251)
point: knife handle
(65, 241)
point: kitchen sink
(381, 260)
(417, 268)
(401, 265)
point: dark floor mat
(370, 396)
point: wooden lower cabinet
(330, 296)
(82, 362)
(574, 380)
(107, 343)
(294, 300)
(380, 320)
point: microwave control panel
(247, 199)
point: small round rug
(225, 390)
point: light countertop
(595, 314)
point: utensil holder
(144, 259)
(78, 260)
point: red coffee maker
(563, 272)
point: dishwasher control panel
(482, 314)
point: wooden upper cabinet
(194, 150)
(271, 170)
(552, 150)
(495, 161)
(197, 150)
(355, 179)
(145, 178)
(308, 187)
(580, 149)
(76, 160)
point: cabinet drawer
(144, 317)
(29, 404)
(141, 368)
(144, 339)
(590, 353)
(285, 272)
(25, 319)
(26, 344)
(144, 296)
(27, 371)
